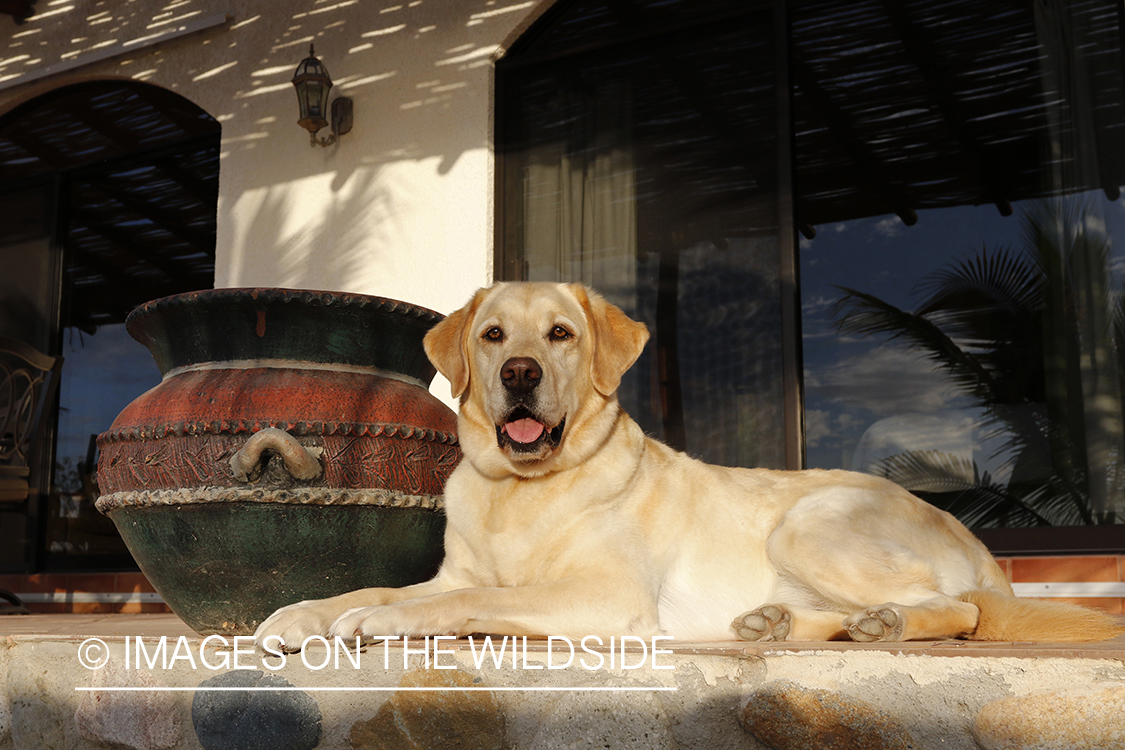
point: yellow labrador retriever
(565, 519)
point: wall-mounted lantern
(313, 84)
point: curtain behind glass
(648, 170)
(579, 198)
(1083, 363)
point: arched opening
(108, 194)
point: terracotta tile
(1005, 564)
(12, 582)
(56, 582)
(129, 582)
(135, 583)
(96, 583)
(28, 584)
(1074, 569)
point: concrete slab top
(54, 627)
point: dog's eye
(494, 334)
(558, 333)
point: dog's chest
(511, 559)
(517, 552)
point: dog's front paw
(768, 623)
(289, 626)
(882, 623)
(366, 622)
(399, 618)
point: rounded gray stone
(254, 719)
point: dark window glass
(962, 299)
(649, 170)
(126, 214)
(27, 295)
(956, 171)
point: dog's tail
(1004, 617)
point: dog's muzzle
(523, 432)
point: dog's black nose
(521, 374)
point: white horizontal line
(383, 689)
(85, 597)
(1078, 590)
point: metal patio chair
(28, 382)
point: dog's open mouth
(523, 432)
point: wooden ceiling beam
(127, 242)
(204, 191)
(163, 218)
(35, 147)
(869, 168)
(925, 56)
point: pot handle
(300, 462)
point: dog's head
(536, 367)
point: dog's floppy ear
(447, 346)
(617, 340)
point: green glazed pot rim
(300, 325)
(282, 295)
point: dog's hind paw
(882, 623)
(768, 623)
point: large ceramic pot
(292, 451)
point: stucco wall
(400, 207)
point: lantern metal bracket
(341, 122)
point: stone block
(136, 720)
(617, 720)
(786, 716)
(41, 697)
(433, 720)
(1064, 719)
(255, 720)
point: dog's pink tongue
(524, 430)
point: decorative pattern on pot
(292, 451)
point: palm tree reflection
(1035, 337)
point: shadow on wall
(413, 69)
(352, 215)
(418, 72)
(243, 69)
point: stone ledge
(735, 695)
